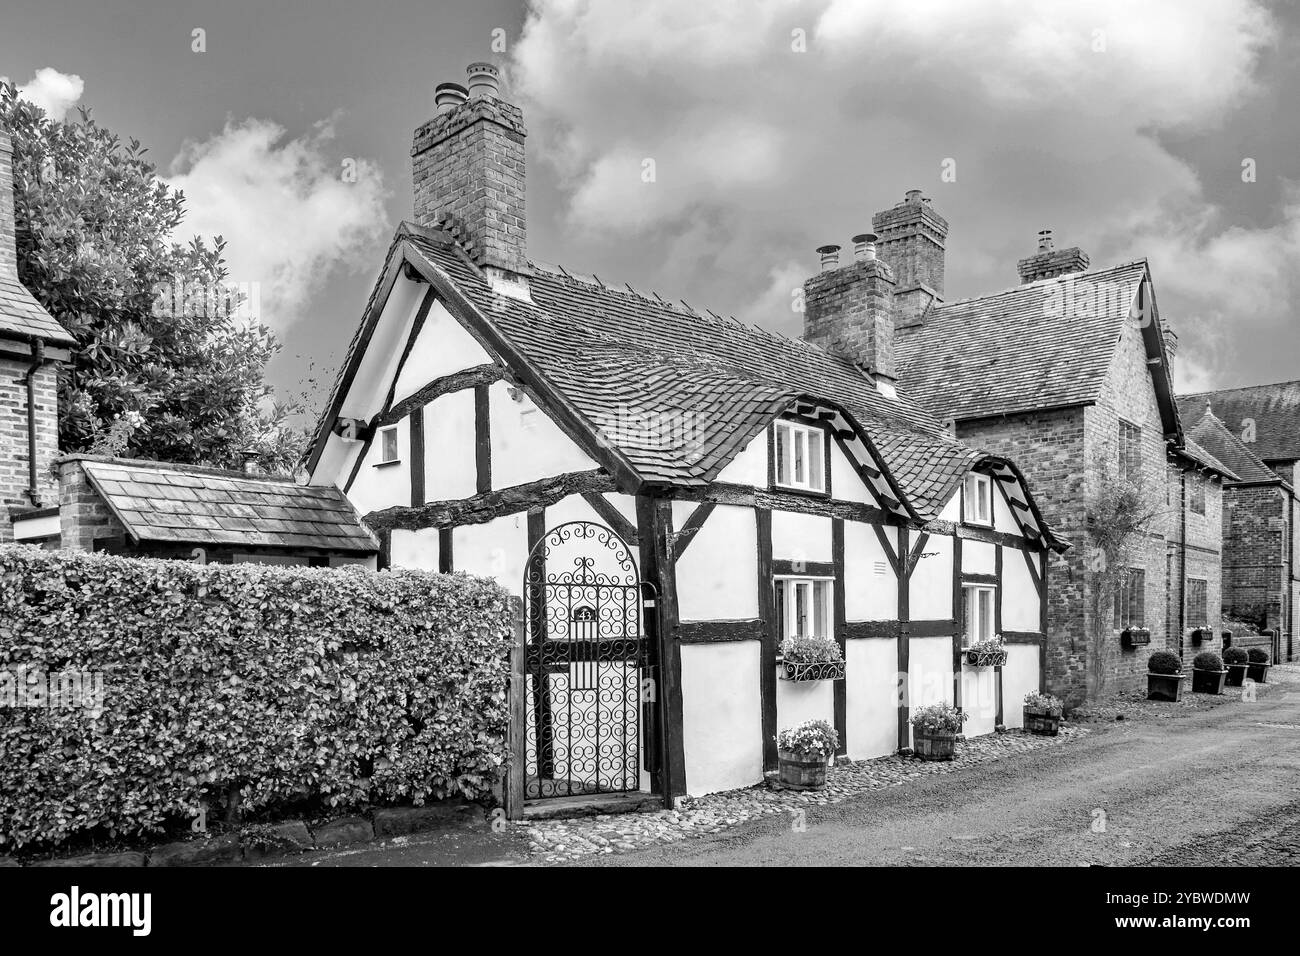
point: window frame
(1196, 497)
(382, 437)
(784, 612)
(818, 465)
(1202, 616)
(1129, 600)
(970, 601)
(977, 480)
(1129, 452)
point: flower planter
(801, 771)
(933, 744)
(1236, 674)
(812, 670)
(1200, 635)
(1132, 637)
(1164, 686)
(986, 658)
(1042, 722)
(1208, 682)
(1258, 672)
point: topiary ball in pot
(1258, 666)
(1234, 656)
(1208, 661)
(1257, 655)
(1164, 662)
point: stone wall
(84, 517)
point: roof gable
(1211, 434)
(1274, 409)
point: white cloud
(52, 91)
(284, 207)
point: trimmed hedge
(1164, 662)
(1207, 661)
(342, 686)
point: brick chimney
(848, 309)
(8, 221)
(1049, 262)
(912, 240)
(468, 170)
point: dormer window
(979, 499)
(800, 456)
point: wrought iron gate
(589, 705)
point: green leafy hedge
(342, 687)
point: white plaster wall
(979, 699)
(442, 347)
(797, 701)
(721, 716)
(750, 466)
(952, 510)
(717, 575)
(870, 587)
(450, 469)
(495, 549)
(800, 537)
(978, 557)
(414, 549)
(526, 444)
(1019, 677)
(573, 508)
(929, 671)
(846, 483)
(1020, 607)
(930, 597)
(1003, 520)
(871, 697)
(383, 486)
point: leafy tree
(166, 366)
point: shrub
(939, 718)
(1207, 661)
(1164, 662)
(1257, 655)
(812, 738)
(810, 650)
(1043, 703)
(276, 684)
(1234, 655)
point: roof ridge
(1240, 388)
(1010, 290)
(176, 466)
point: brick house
(1069, 374)
(1256, 430)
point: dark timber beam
(612, 516)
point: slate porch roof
(22, 316)
(1275, 410)
(1044, 344)
(161, 502)
(1215, 436)
(612, 352)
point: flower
(812, 738)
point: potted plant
(1043, 714)
(1234, 659)
(1133, 636)
(811, 658)
(989, 652)
(1164, 676)
(1200, 635)
(1257, 665)
(934, 731)
(1208, 673)
(803, 753)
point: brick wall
(1255, 539)
(84, 517)
(849, 311)
(14, 457)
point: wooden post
(517, 738)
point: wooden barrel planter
(1042, 722)
(1236, 674)
(800, 771)
(1164, 686)
(933, 745)
(1208, 682)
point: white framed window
(388, 445)
(800, 456)
(979, 613)
(979, 499)
(804, 608)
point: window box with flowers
(1201, 635)
(811, 658)
(990, 652)
(1043, 714)
(1257, 666)
(1134, 636)
(934, 731)
(803, 753)
(1164, 676)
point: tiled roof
(616, 353)
(1201, 455)
(1039, 345)
(1213, 435)
(170, 503)
(22, 315)
(1275, 410)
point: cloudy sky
(1163, 128)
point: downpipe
(39, 361)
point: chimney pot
(912, 196)
(864, 247)
(447, 96)
(830, 257)
(483, 80)
(1045, 240)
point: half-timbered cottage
(673, 493)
